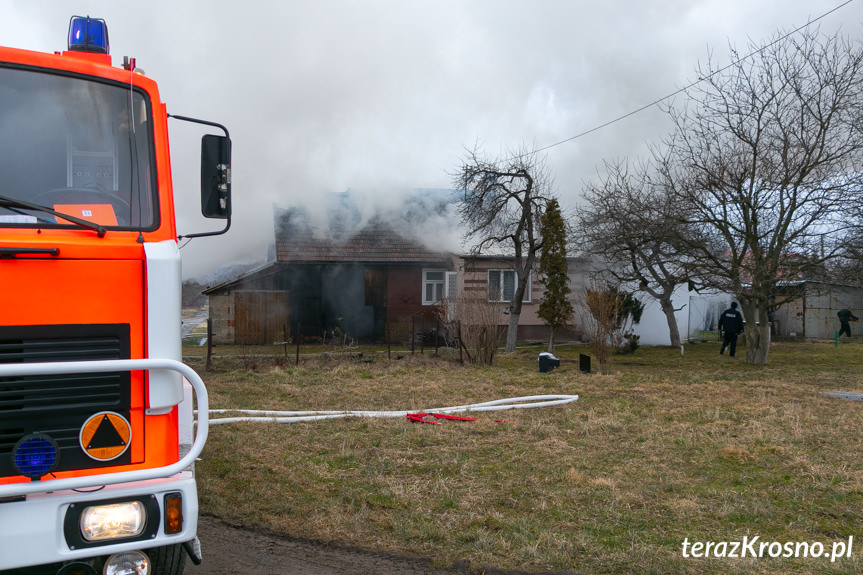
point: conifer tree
(555, 308)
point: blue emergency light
(35, 455)
(88, 35)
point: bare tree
(608, 316)
(766, 161)
(501, 205)
(848, 269)
(628, 228)
(599, 317)
(475, 322)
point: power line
(696, 82)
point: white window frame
(501, 283)
(440, 285)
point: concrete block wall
(222, 312)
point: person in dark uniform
(845, 316)
(730, 324)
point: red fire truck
(97, 439)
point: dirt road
(230, 550)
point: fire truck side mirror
(216, 177)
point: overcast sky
(383, 95)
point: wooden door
(261, 317)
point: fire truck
(97, 436)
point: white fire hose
(256, 415)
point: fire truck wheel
(170, 560)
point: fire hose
(257, 415)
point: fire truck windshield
(78, 147)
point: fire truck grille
(59, 405)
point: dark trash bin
(584, 363)
(547, 362)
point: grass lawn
(660, 450)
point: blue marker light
(88, 35)
(35, 455)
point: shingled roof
(376, 242)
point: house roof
(261, 271)
(376, 242)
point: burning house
(366, 278)
(359, 281)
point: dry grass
(661, 449)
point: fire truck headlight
(101, 522)
(129, 563)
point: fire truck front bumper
(70, 525)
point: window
(79, 146)
(376, 287)
(433, 286)
(501, 286)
